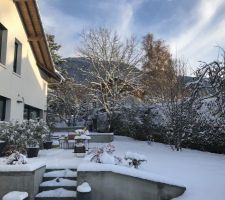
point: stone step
(55, 198)
(51, 169)
(56, 194)
(46, 188)
(52, 178)
(58, 183)
(60, 173)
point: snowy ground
(202, 173)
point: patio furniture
(64, 143)
(69, 141)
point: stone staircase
(58, 184)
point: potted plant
(2, 145)
(36, 133)
(47, 144)
(79, 148)
(3, 128)
(32, 148)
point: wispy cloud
(191, 27)
(124, 22)
(196, 40)
(65, 27)
(118, 16)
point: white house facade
(26, 66)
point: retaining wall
(101, 137)
(109, 185)
(27, 181)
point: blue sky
(192, 28)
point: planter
(83, 196)
(84, 191)
(47, 145)
(80, 150)
(32, 152)
(2, 145)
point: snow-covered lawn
(202, 173)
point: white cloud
(118, 15)
(124, 23)
(193, 39)
(196, 41)
(65, 27)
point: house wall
(29, 86)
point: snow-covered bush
(12, 133)
(30, 133)
(82, 132)
(10, 149)
(135, 159)
(16, 159)
(105, 155)
(140, 121)
(36, 132)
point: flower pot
(32, 152)
(84, 196)
(2, 145)
(84, 191)
(47, 145)
(79, 150)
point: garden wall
(101, 137)
(27, 181)
(112, 185)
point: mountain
(75, 67)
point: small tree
(209, 88)
(158, 69)
(62, 97)
(114, 75)
(181, 114)
(54, 50)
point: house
(26, 66)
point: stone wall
(111, 186)
(102, 137)
(27, 181)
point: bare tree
(210, 81)
(114, 75)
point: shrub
(135, 159)
(139, 121)
(105, 155)
(16, 159)
(28, 133)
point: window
(2, 108)
(31, 113)
(17, 57)
(3, 44)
